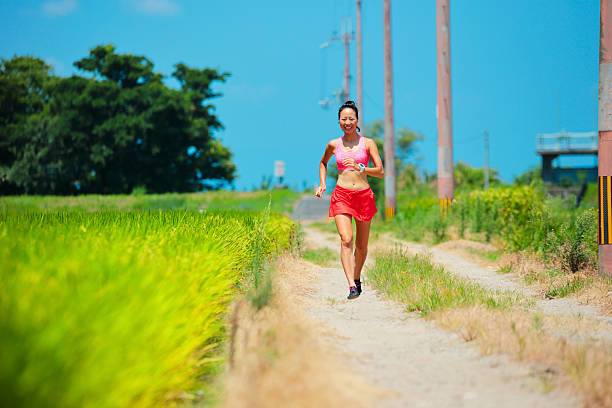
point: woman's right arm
(329, 151)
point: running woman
(352, 197)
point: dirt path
(422, 364)
(489, 278)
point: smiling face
(348, 120)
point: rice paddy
(112, 308)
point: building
(552, 145)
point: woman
(352, 197)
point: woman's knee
(346, 240)
(361, 247)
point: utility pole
(389, 131)
(346, 39)
(446, 189)
(486, 170)
(605, 139)
(359, 63)
(341, 95)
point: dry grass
(584, 366)
(472, 250)
(278, 358)
(546, 279)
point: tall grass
(117, 309)
(261, 291)
(282, 201)
(426, 287)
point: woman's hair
(350, 105)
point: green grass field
(282, 201)
(107, 308)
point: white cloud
(59, 8)
(158, 7)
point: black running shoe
(353, 293)
(358, 285)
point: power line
(345, 37)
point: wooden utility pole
(446, 189)
(486, 169)
(359, 64)
(389, 131)
(604, 161)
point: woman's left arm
(377, 170)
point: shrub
(438, 223)
(520, 215)
(578, 242)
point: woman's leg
(361, 245)
(345, 229)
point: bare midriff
(352, 180)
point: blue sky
(518, 69)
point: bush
(577, 242)
(552, 228)
(437, 223)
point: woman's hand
(350, 162)
(320, 190)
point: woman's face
(348, 120)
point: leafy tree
(405, 141)
(529, 176)
(208, 153)
(22, 93)
(468, 177)
(405, 150)
(117, 130)
(126, 70)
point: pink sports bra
(360, 155)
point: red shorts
(358, 203)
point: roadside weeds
(278, 358)
(547, 278)
(585, 286)
(530, 337)
(500, 324)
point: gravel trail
(423, 365)
(490, 279)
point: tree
(405, 141)
(121, 129)
(22, 94)
(470, 178)
(213, 159)
(529, 176)
(405, 150)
